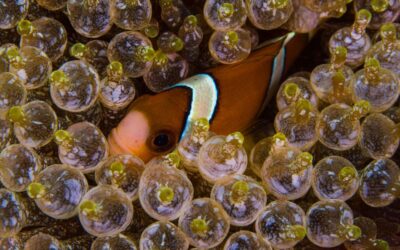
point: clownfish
(229, 96)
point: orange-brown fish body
(155, 123)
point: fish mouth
(131, 136)
(137, 134)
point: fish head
(152, 126)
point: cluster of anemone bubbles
(64, 85)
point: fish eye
(162, 141)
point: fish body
(230, 96)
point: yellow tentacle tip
(24, 27)
(89, 208)
(279, 4)
(115, 68)
(338, 78)
(13, 55)
(191, 20)
(145, 53)
(372, 62)
(166, 195)
(361, 108)
(117, 168)
(165, 3)
(235, 138)
(177, 44)
(58, 78)
(303, 106)
(379, 5)
(201, 124)
(279, 138)
(339, 55)
(77, 50)
(291, 91)
(160, 58)
(199, 226)
(239, 192)
(232, 37)
(363, 16)
(152, 29)
(347, 174)
(16, 114)
(352, 232)
(296, 232)
(62, 137)
(36, 190)
(388, 31)
(173, 159)
(305, 159)
(380, 244)
(226, 10)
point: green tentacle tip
(362, 108)
(16, 114)
(297, 232)
(339, 54)
(191, 20)
(372, 68)
(232, 37)
(77, 50)
(379, 5)
(226, 10)
(388, 31)
(199, 226)
(117, 168)
(166, 195)
(372, 62)
(352, 232)
(201, 124)
(363, 16)
(133, 3)
(291, 91)
(240, 189)
(177, 44)
(338, 77)
(305, 159)
(62, 136)
(173, 158)
(145, 53)
(347, 174)
(303, 105)
(380, 244)
(115, 68)
(341, 10)
(152, 29)
(58, 78)
(279, 137)
(166, 3)
(13, 55)
(36, 190)
(279, 4)
(88, 208)
(24, 27)
(160, 58)
(236, 138)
